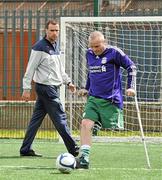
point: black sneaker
(81, 163)
(30, 153)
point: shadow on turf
(9, 157)
(31, 157)
(37, 168)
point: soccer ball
(65, 162)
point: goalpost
(140, 38)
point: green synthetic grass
(52, 134)
(14, 133)
(109, 161)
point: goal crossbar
(110, 19)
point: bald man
(104, 89)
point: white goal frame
(63, 22)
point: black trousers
(48, 102)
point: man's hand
(26, 95)
(130, 92)
(82, 92)
(72, 87)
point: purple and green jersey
(104, 74)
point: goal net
(141, 39)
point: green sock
(85, 151)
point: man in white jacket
(47, 71)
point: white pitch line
(128, 169)
(45, 167)
(19, 167)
